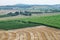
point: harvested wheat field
(34, 33)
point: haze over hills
(24, 6)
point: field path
(32, 33)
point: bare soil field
(33, 33)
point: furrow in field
(52, 33)
(34, 33)
(1, 35)
(40, 37)
(5, 36)
(47, 32)
(23, 36)
(52, 29)
(44, 34)
(12, 35)
(27, 34)
(31, 35)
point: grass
(14, 24)
(54, 21)
(48, 20)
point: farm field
(33, 33)
(23, 22)
(33, 15)
(29, 20)
(15, 24)
(2, 12)
(30, 27)
(48, 20)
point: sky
(12, 2)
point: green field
(48, 20)
(17, 23)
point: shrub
(10, 13)
(16, 13)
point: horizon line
(27, 4)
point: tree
(16, 13)
(28, 13)
(10, 13)
(21, 12)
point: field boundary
(41, 24)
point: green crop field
(15, 24)
(48, 20)
(54, 21)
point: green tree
(16, 13)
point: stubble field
(33, 33)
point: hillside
(25, 6)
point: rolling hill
(25, 6)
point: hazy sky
(11, 2)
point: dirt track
(34, 33)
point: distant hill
(26, 6)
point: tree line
(26, 13)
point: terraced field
(33, 33)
